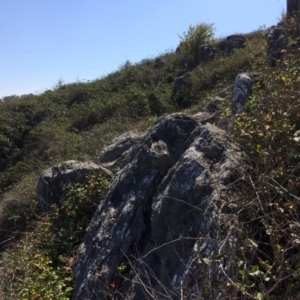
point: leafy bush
(268, 260)
(40, 265)
(195, 37)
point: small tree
(194, 38)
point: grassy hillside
(75, 121)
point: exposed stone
(213, 106)
(226, 91)
(163, 212)
(276, 40)
(293, 7)
(235, 41)
(206, 53)
(114, 156)
(53, 180)
(180, 84)
(159, 63)
(242, 88)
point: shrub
(40, 265)
(194, 38)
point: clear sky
(43, 41)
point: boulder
(213, 106)
(241, 90)
(276, 41)
(164, 212)
(226, 91)
(180, 84)
(234, 41)
(114, 156)
(52, 181)
(206, 53)
(292, 7)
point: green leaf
(242, 272)
(221, 255)
(258, 148)
(257, 273)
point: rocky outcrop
(206, 53)
(293, 7)
(115, 155)
(51, 183)
(239, 92)
(165, 211)
(242, 88)
(213, 106)
(276, 41)
(180, 84)
(226, 91)
(234, 41)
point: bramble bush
(40, 265)
(268, 261)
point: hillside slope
(76, 121)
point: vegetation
(75, 121)
(190, 41)
(39, 265)
(269, 259)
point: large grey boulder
(180, 87)
(276, 40)
(292, 7)
(227, 91)
(241, 90)
(114, 156)
(165, 211)
(180, 82)
(214, 105)
(206, 53)
(52, 181)
(235, 41)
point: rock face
(115, 155)
(226, 91)
(166, 209)
(276, 40)
(234, 41)
(180, 84)
(293, 6)
(206, 53)
(241, 90)
(213, 105)
(52, 181)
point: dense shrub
(193, 39)
(40, 265)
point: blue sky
(43, 41)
